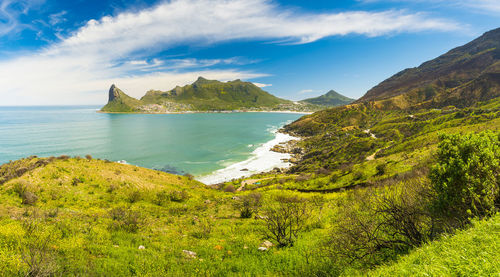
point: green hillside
(471, 252)
(331, 99)
(464, 75)
(205, 95)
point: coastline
(263, 159)
(197, 112)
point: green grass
(471, 252)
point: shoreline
(263, 159)
(209, 112)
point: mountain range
(203, 95)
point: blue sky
(70, 52)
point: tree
(466, 176)
(285, 218)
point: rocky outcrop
(113, 93)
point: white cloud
(260, 85)
(306, 91)
(80, 67)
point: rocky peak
(113, 93)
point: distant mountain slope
(331, 98)
(464, 75)
(211, 94)
(118, 101)
(203, 95)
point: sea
(214, 147)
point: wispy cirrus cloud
(489, 6)
(121, 49)
(11, 10)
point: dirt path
(253, 181)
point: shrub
(162, 198)
(88, 157)
(125, 219)
(230, 188)
(36, 252)
(466, 176)
(179, 195)
(285, 219)
(248, 204)
(134, 196)
(381, 169)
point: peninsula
(204, 96)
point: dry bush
(36, 253)
(285, 219)
(380, 226)
(125, 219)
(229, 188)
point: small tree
(285, 219)
(467, 175)
(248, 204)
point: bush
(125, 219)
(179, 195)
(248, 204)
(230, 188)
(285, 219)
(466, 176)
(381, 169)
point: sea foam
(262, 159)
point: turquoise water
(180, 143)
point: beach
(262, 159)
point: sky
(59, 52)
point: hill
(464, 75)
(330, 99)
(203, 95)
(446, 257)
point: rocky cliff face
(113, 93)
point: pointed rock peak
(113, 93)
(332, 92)
(201, 79)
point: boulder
(141, 247)
(189, 254)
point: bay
(198, 143)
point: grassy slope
(471, 252)
(76, 200)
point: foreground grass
(471, 252)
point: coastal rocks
(189, 254)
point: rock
(267, 244)
(189, 254)
(244, 169)
(208, 201)
(141, 247)
(235, 198)
(293, 160)
(262, 249)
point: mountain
(331, 98)
(202, 95)
(461, 77)
(118, 101)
